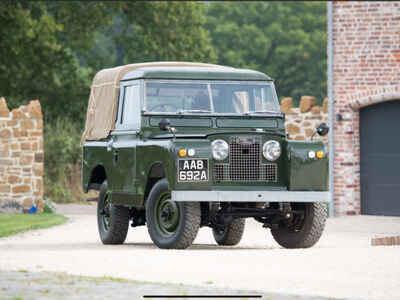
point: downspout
(331, 111)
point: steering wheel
(163, 108)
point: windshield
(211, 97)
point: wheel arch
(97, 176)
(156, 172)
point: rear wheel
(112, 220)
(231, 234)
(303, 230)
(171, 225)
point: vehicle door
(125, 138)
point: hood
(203, 127)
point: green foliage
(62, 153)
(37, 63)
(51, 50)
(27, 37)
(14, 223)
(165, 31)
(286, 40)
(152, 31)
(49, 207)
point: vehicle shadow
(98, 246)
(202, 247)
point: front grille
(270, 172)
(244, 159)
(245, 163)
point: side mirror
(322, 129)
(164, 124)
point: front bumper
(250, 196)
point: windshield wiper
(182, 111)
(261, 112)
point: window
(130, 117)
(171, 97)
(213, 97)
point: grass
(14, 223)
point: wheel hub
(106, 212)
(168, 216)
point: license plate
(192, 170)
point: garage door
(380, 159)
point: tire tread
(233, 235)
(119, 222)
(311, 233)
(192, 216)
(191, 221)
(120, 227)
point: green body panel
(195, 73)
(124, 163)
(254, 123)
(94, 155)
(198, 126)
(132, 160)
(306, 174)
(139, 152)
(181, 122)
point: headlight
(272, 150)
(219, 149)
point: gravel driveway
(342, 264)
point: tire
(171, 225)
(231, 234)
(306, 231)
(112, 220)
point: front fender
(149, 154)
(304, 173)
(164, 153)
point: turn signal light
(320, 154)
(182, 152)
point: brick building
(366, 87)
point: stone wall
(301, 121)
(21, 157)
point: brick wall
(366, 43)
(21, 157)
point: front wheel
(303, 230)
(171, 225)
(231, 234)
(112, 220)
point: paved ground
(23, 285)
(342, 264)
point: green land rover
(177, 146)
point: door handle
(115, 156)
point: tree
(154, 31)
(37, 59)
(51, 50)
(286, 40)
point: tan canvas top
(103, 99)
